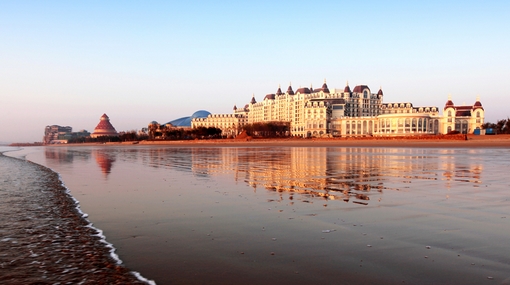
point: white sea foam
(99, 233)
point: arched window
(449, 113)
(478, 114)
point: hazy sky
(68, 62)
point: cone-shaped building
(104, 128)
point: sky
(68, 62)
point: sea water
(295, 215)
(45, 238)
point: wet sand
(181, 225)
(257, 214)
(44, 239)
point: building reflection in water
(105, 160)
(356, 175)
(349, 174)
(64, 155)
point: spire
(478, 104)
(347, 88)
(380, 91)
(289, 90)
(279, 91)
(104, 128)
(325, 87)
(449, 103)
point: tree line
(265, 129)
(169, 133)
(268, 129)
(500, 127)
(122, 137)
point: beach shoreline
(462, 141)
(45, 236)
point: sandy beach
(44, 237)
(457, 141)
(239, 209)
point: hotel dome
(186, 121)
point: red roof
(303, 90)
(359, 88)
(290, 91)
(104, 127)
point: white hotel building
(323, 112)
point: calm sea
(296, 215)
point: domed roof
(200, 114)
(235, 107)
(380, 92)
(181, 122)
(449, 103)
(253, 101)
(347, 88)
(478, 104)
(186, 121)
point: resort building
(230, 124)
(57, 134)
(104, 128)
(463, 118)
(324, 112)
(52, 133)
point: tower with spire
(104, 128)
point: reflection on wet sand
(58, 156)
(354, 175)
(105, 161)
(351, 215)
(348, 174)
